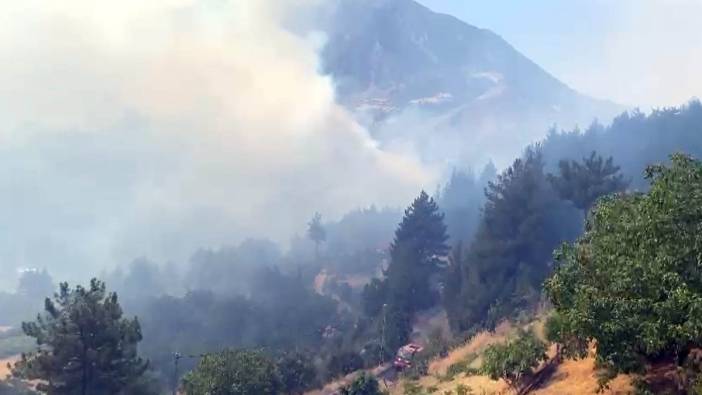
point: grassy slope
(572, 377)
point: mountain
(449, 90)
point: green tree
(632, 282)
(374, 296)
(417, 252)
(583, 183)
(84, 344)
(233, 372)
(515, 360)
(297, 372)
(460, 200)
(557, 331)
(504, 267)
(363, 384)
(316, 232)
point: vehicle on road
(405, 355)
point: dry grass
(578, 377)
(479, 385)
(475, 346)
(337, 384)
(571, 377)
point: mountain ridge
(390, 57)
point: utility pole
(382, 336)
(176, 357)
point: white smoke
(154, 127)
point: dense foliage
(634, 139)
(84, 344)
(297, 372)
(629, 283)
(583, 183)
(416, 254)
(364, 384)
(461, 199)
(632, 282)
(233, 372)
(280, 314)
(503, 268)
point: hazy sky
(636, 52)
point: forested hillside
(626, 280)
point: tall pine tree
(502, 270)
(84, 344)
(417, 252)
(584, 183)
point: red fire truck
(405, 355)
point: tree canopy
(364, 384)
(234, 372)
(503, 268)
(85, 346)
(417, 251)
(632, 282)
(583, 183)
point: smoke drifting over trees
(162, 127)
(192, 157)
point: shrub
(514, 360)
(364, 384)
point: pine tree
(419, 249)
(583, 183)
(523, 221)
(84, 344)
(316, 232)
(460, 200)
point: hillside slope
(427, 79)
(571, 377)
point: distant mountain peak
(388, 56)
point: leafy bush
(364, 384)
(558, 331)
(514, 360)
(233, 372)
(297, 372)
(631, 282)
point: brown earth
(4, 369)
